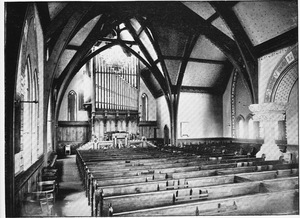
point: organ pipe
(115, 85)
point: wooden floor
(71, 199)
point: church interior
(174, 108)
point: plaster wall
(266, 66)
(76, 84)
(163, 116)
(200, 115)
(242, 98)
(151, 101)
(227, 109)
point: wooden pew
(205, 173)
(95, 182)
(158, 175)
(166, 168)
(172, 197)
(192, 182)
(123, 154)
(139, 176)
(124, 164)
(255, 204)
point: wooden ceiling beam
(156, 72)
(44, 15)
(245, 47)
(117, 40)
(217, 37)
(155, 91)
(71, 69)
(96, 10)
(73, 47)
(199, 60)
(190, 44)
(212, 18)
(61, 19)
(157, 49)
(286, 39)
(199, 89)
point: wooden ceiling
(189, 45)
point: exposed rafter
(155, 70)
(212, 18)
(117, 40)
(217, 37)
(198, 89)
(235, 27)
(95, 11)
(73, 47)
(190, 44)
(288, 38)
(199, 60)
(66, 76)
(157, 50)
(60, 20)
(44, 15)
(145, 75)
(244, 44)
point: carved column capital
(268, 111)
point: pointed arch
(26, 122)
(72, 106)
(240, 126)
(250, 127)
(145, 107)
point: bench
(173, 179)
(253, 202)
(183, 184)
(169, 197)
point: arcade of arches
(110, 75)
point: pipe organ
(116, 86)
(115, 80)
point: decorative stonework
(286, 84)
(269, 114)
(268, 111)
(233, 87)
(266, 107)
(284, 66)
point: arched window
(240, 127)
(26, 119)
(251, 131)
(72, 105)
(144, 107)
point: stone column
(268, 114)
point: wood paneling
(75, 132)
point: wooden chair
(49, 174)
(38, 203)
(49, 188)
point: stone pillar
(269, 114)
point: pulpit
(271, 116)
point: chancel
(182, 108)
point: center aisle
(71, 199)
